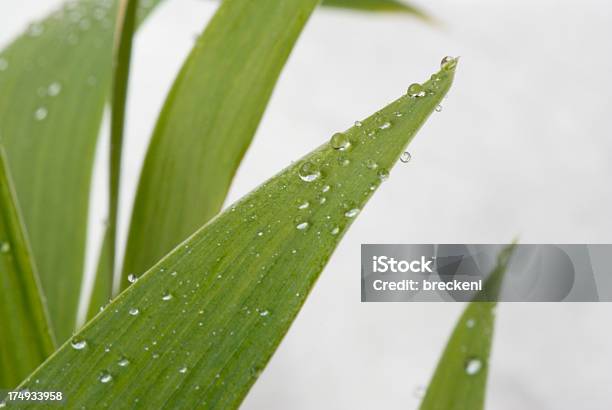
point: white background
(522, 148)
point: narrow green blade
(208, 122)
(25, 338)
(377, 5)
(198, 328)
(54, 81)
(126, 26)
(460, 380)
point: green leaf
(26, 338)
(126, 25)
(208, 122)
(460, 380)
(54, 81)
(377, 5)
(197, 329)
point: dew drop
(167, 296)
(405, 157)
(371, 164)
(415, 90)
(340, 141)
(264, 313)
(448, 63)
(325, 188)
(134, 311)
(105, 377)
(473, 366)
(302, 226)
(5, 247)
(40, 113)
(385, 125)
(304, 205)
(309, 172)
(132, 278)
(78, 344)
(183, 370)
(383, 174)
(438, 108)
(54, 89)
(335, 231)
(123, 362)
(351, 213)
(358, 124)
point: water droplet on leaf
(40, 113)
(340, 141)
(105, 377)
(405, 157)
(415, 90)
(351, 213)
(78, 344)
(134, 311)
(309, 172)
(473, 366)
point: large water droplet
(78, 344)
(448, 63)
(340, 141)
(105, 377)
(167, 296)
(473, 366)
(123, 362)
(309, 172)
(40, 113)
(134, 311)
(415, 90)
(304, 205)
(405, 157)
(302, 226)
(132, 278)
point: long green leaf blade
(54, 81)
(26, 339)
(126, 26)
(460, 379)
(377, 5)
(208, 122)
(197, 329)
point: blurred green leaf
(54, 81)
(377, 5)
(103, 280)
(460, 380)
(198, 328)
(26, 338)
(208, 122)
